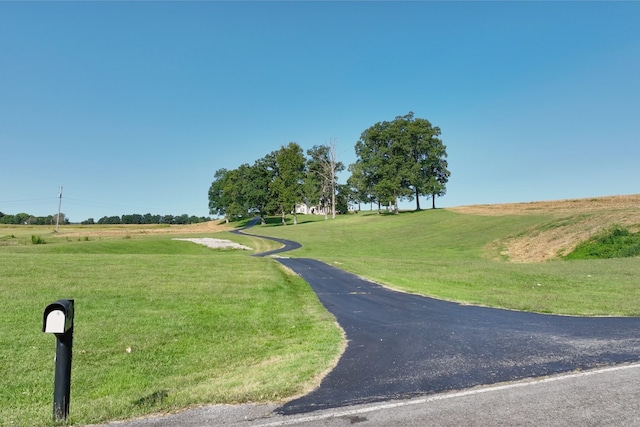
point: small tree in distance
(321, 183)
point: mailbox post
(58, 320)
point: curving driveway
(402, 345)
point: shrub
(616, 242)
(37, 240)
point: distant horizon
(403, 208)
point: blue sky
(132, 106)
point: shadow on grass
(153, 399)
(275, 221)
(391, 213)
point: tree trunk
(417, 200)
(333, 199)
(433, 201)
(283, 220)
(395, 204)
(332, 156)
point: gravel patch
(216, 243)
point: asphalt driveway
(402, 345)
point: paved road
(287, 245)
(603, 397)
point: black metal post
(62, 382)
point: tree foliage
(401, 159)
(26, 219)
(23, 218)
(258, 186)
(277, 183)
(148, 218)
(288, 184)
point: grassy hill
(500, 255)
(164, 324)
(570, 223)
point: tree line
(149, 219)
(278, 182)
(26, 219)
(403, 159)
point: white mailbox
(58, 317)
(54, 323)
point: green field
(202, 326)
(454, 256)
(219, 326)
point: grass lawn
(203, 326)
(457, 257)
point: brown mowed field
(142, 229)
(571, 222)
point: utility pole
(59, 206)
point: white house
(303, 208)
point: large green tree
(360, 184)
(287, 188)
(226, 194)
(437, 173)
(258, 185)
(401, 159)
(424, 167)
(381, 164)
(218, 200)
